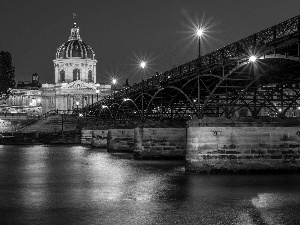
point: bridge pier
(159, 143)
(120, 140)
(241, 145)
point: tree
(7, 74)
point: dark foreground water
(74, 185)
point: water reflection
(74, 185)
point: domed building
(75, 77)
(74, 84)
(75, 60)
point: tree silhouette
(7, 74)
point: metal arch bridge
(223, 83)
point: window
(13, 100)
(90, 76)
(62, 76)
(76, 74)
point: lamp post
(199, 33)
(97, 92)
(252, 60)
(114, 81)
(143, 65)
(77, 104)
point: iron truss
(223, 83)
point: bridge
(223, 83)
(227, 96)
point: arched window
(76, 74)
(90, 76)
(62, 76)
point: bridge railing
(235, 50)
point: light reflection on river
(76, 185)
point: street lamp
(252, 58)
(97, 92)
(199, 33)
(143, 65)
(114, 81)
(77, 104)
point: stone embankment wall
(13, 116)
(95, 138)
(65, 137)
(237, 146)
(163, 143)
(120, 140)
(7, 126)
(53, 123)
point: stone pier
(120, 140)
(243, 145)
(159, 143)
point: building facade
(75, 77)
(74, 84)
(25, 98)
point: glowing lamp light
(143, 64)
(298, 107)
(77, 103)
(252, 58)
(97, 91)
(279, 110)
(104, 106)
(80, 115)
(126, 99)
(114, 81)
(199, 32)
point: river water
(77, 185)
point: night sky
(122, 32)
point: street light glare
(114, 81)
(252, 58)
(199, 32)
(143, 64)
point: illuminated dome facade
(75, 60)
(75, 49)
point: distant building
(74, 87)
(25, 98)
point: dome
(75, 47)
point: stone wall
(120, 140)
(86, 137)
(95, 138)
(53, 123)
(164, 143)
(65, 137)
(7, 126)
(13, 116)
(243, 149)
